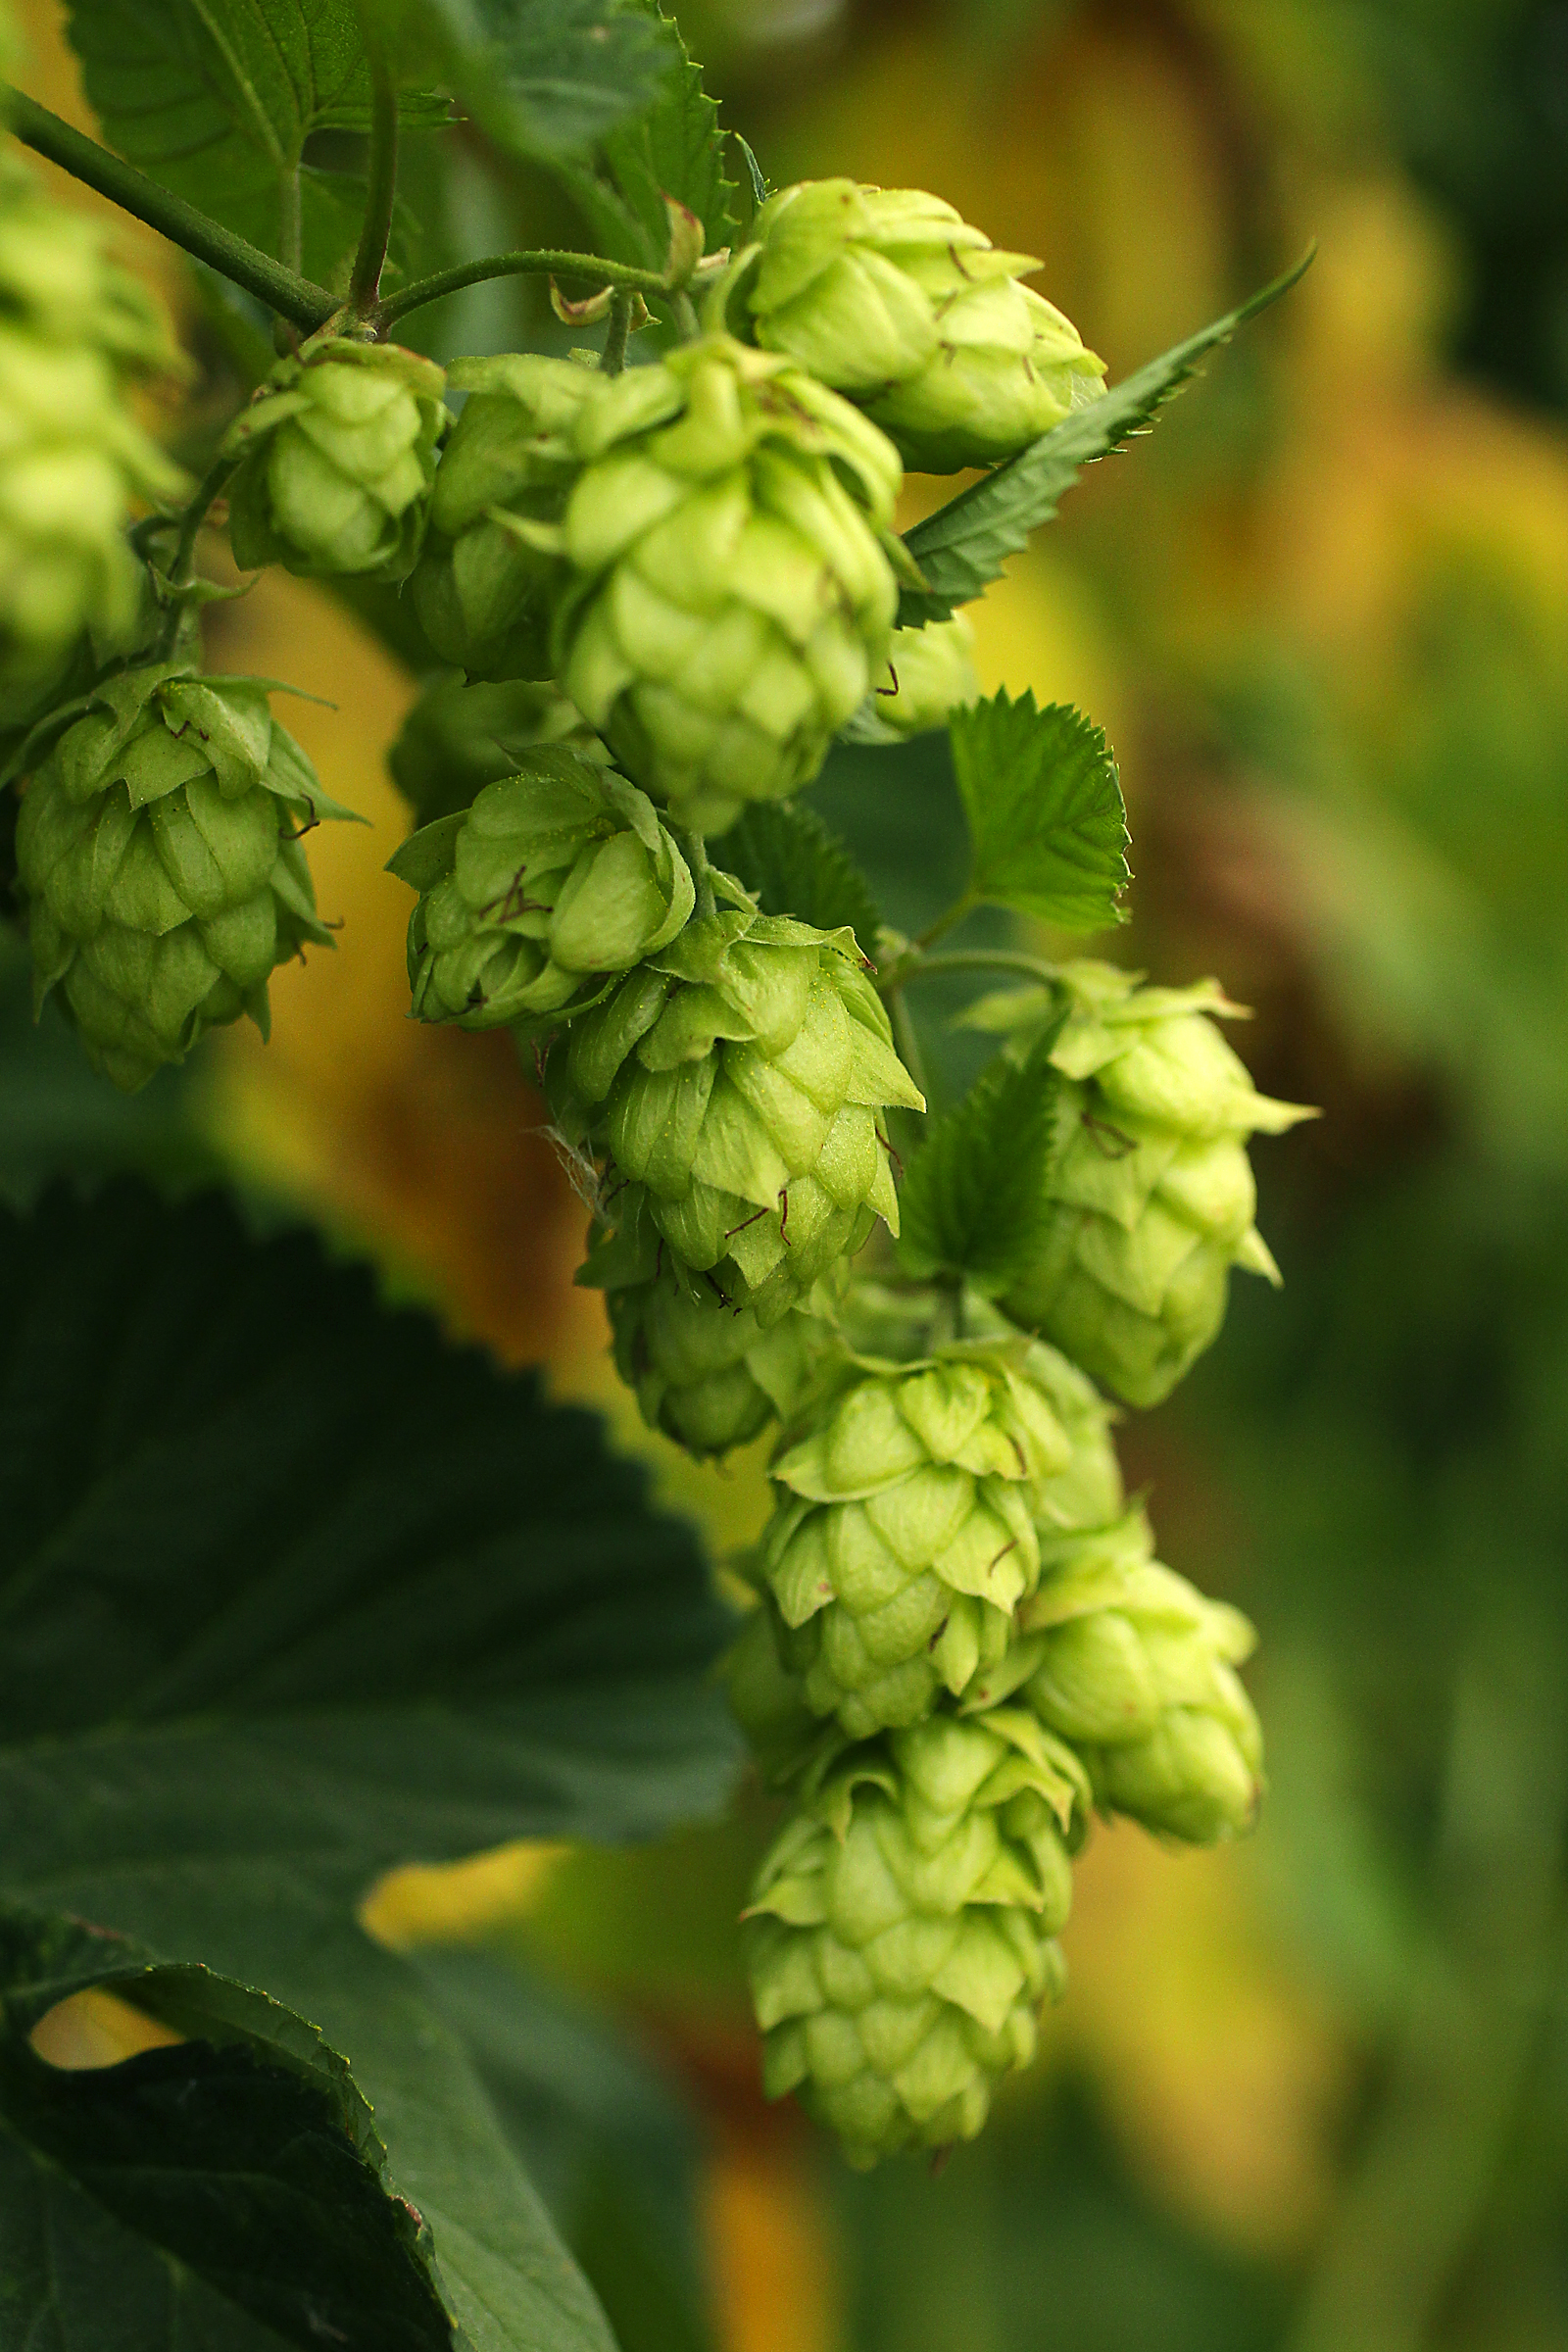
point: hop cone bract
(157, 852)
(928, 674)
(903, 1929)
(903, 1535)
(1151, 1186)
(736, 1080)
(337, 454)
(481, 587)
(72, 458)
(728, 601)
(888, 295)
(552, 880)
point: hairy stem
(364, 284)
(282, 289)
(616, 340)
(544, 264)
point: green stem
(908, 1042)
(947, 921)
(184, 563)
(915, 966)
(546, 263)
(364, 285)
(696, 853)
(282, 289)
(291, 222)
(616, 340)
(686, 319)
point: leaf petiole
(517, 264)
(364, 284)
(918, 967)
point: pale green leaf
(1047, 820)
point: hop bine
(902, 1928)
(736, 1080)
(728, 593)
(554, 879)
(889, 296)
(337, 456)
(157, 854)
(1150, 1188)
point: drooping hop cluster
(73, 328)
(710, 1375)
(903, 1535)
(889, 296)
(553, 880)
(159, 857)
(337, 453)
(902, 1928)
(482, 589)
(1137, 1669)
(1151, 1190)
(459, 738)
(729, 597)
(736, 1081)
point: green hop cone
(482, 586)
(459, 738)
(337, 456)
(706, 1373)
(902, 1930)
(728, 596)
(552, 879)
(158, 858)
(890, 297)
(929, 673)
(904, 1534)
(737, 1080)
(1150, 1181)
(72, 458)
(1138, 1670)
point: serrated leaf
(1046, 820)
(963, 546)
(795, 864)
(547, 78)
(215, 100)
(292, 1590)
(972, 1204)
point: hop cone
(737, 1078)
(481, 586)
(903, 1929)
(459, 738)
(72, 459)
(729, 600)
(1136, 1668)
(708, 1373)
(337, 455)
(928, 674)
(157, 851)
(552, 879)
(903, 1535)
(1151, 1183)
(890, 297)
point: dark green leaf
(545, 77)
(973, 1199)
(1046, 820)
(962, 547)
(798, 866)
(215, 99)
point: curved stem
(908, 1042)
(915, 966)
(183, 563)
(544, 263)
(695, 850)
(947, 921)
(282, 290)
(614, 358)
(364, 285)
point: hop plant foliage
(157, 852)
(736, 1081)
(1150, 1188)
(904, 1928)
(891, 297)
(552, 879)
(336, 458)
(727, 601)
(74, 462)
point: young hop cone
(902, 1930)
(553, 880)
(1151, 1183)
(893, 300)
(705, 1372)
(157, 852)
(337, 456)
(929, 673)
(481, 588)
(729, 597)
(459, 738)
(736, 1080)
(1137, 1669)
(903, 1532)
(72, 458)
